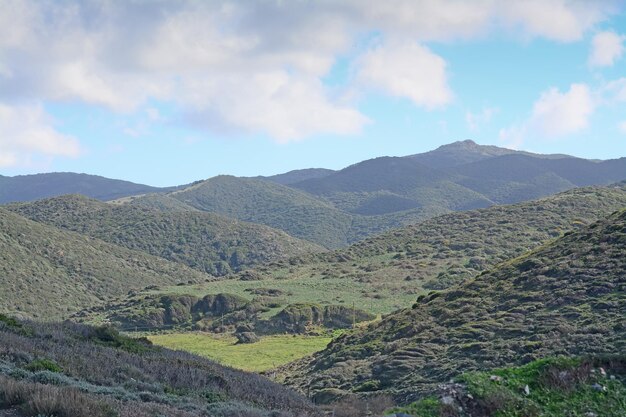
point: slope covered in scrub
(564, 298)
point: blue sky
(168, 92)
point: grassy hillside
(563, 298)
(49, 273)
(34, 187)
(387, 272)
(68, 370)
(258, 201)
(204, 241)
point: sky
(166, 92)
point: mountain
(466, 151)
(563, 298)
(34, 187)
(204, 241)
(298, 175)
(49, 273)
(459, 176)
(73, 370)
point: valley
(372, 285)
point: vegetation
(268, 353)
(566, 297)
(70, 370)
(549, 387)
(387, 272)
(48, 273)
(222, 313)
(203, 241)
(34, 187)
(458, 176)
(298, 213)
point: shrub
(43, 365)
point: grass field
(376, 298)
(270, 352)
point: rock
(247, 337)
(612, 378)
(598, 387)
(495, 378)
(402, 415)
(602, 372)
(591, 414)
(447, 400)
(527, 390)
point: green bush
(43, 365)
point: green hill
(34, 187)
(387, 272)
(451, 248)
(69, 370)
(204, 241)
(563, 298)
(48, 273)
(298, 213)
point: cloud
(559, 114)
(212, 58)
(28, 133)
(606, 48)
(558, 20)
(614, 91)
(272, 103)
(405, 70)
(554, 114)
(622, 126)
(475, 120)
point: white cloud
(475, 120)
(213, 58)
(405, 70)
(606, 48)
(27, 133)
(272, 103)
(614, 91)
(559, 114)
(554, 114)
(559, 20)
(622, 126)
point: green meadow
(270, 352)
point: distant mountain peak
(467, 143)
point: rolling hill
(337, 208)
(48, 273)
(448, 249)
(34, 187)
(296, 212)
(204, 241)
(387, 272)
(563, 298)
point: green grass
(557, 387)
(268, 353)
(375, 299)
